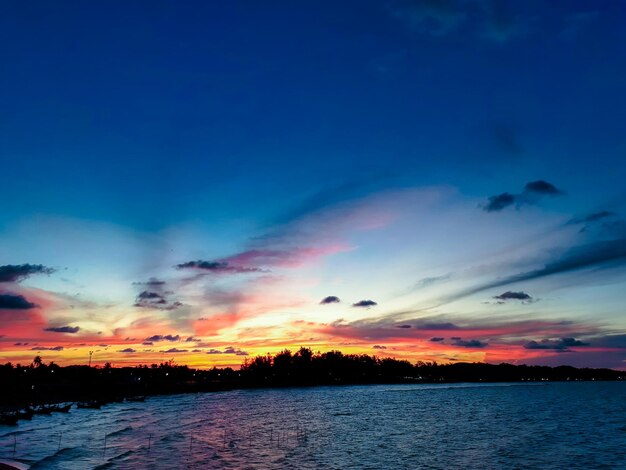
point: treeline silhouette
(39, 382)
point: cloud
(436, 339)
(499, 202)
(214, 351)
(63, 329)
(378, 346)
(175, 350)
(533, 192)
(604, 254)
(45, 348)
(152, 282)
(18, 272)
(156, 300)
(148, 343)
(433, 17)
(503, 330)
(489, 20)
(405, 327)
(510, 295)
(429, 281)
(562, 344)
(331, 299)
(147, 295)
(163, 338)
(593, 217)
(15, 302)
(217, 267)
(364, 304)
(128, 350)
(235, 351)
(542, 187)
(472, 343)
(427, 325)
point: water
(548, 426)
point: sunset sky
(209, 181)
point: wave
(65, 453)
(465, 386)
(120, 431)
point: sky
(203, 182)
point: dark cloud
(190, 339)
(175, 350)
(196, 350)
(44, 348)
(63, 329)
(472, 343)
(17, 272)
(214, 351)
(127, 350)
(406, 327)
(365, 304)
(378, 346)
(542, 187)
(331, 299)
(148, 343)
(163, 338)
(499, 202)
(562, 344)
(15, 302)
(510, 295)
(218, 267)
(147, 295)
(436, 339)
(235, 351)
(152, 282)
(533, 192)
(156, 300)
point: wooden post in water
(149, 438)
(14, 445)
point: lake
(562, 425)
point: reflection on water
(559, 425)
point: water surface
(549, 426)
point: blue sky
(357, 142)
